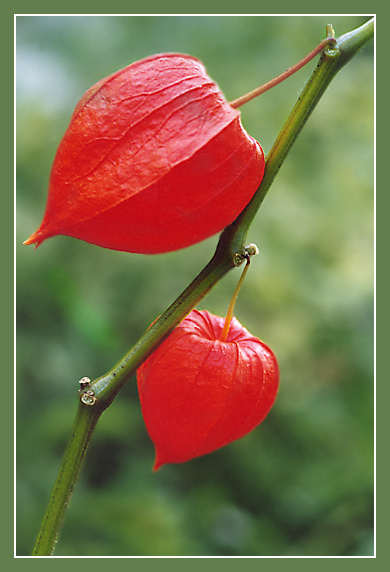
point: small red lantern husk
(199, 393)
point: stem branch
(289, 72)
(230, 312)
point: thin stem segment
(289, 72)
(230, 312)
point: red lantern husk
(154, 159)
(198, 393)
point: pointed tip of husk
(33, 239)
(30, 240)
(36, 238)
(157, 465)
(158, 462)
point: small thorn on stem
(330, 33)
(251, 250)
(84, 382)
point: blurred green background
(301, 484)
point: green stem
(230, 253)
(84, 425)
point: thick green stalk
(84, 425)
(97, 395)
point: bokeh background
(302, 483)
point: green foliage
(300, 484)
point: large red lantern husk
(199, 393)
(154, 159)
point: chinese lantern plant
(106, 189)
(209, 383)
(199, 392)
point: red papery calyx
(199, 393)
(154, 159)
